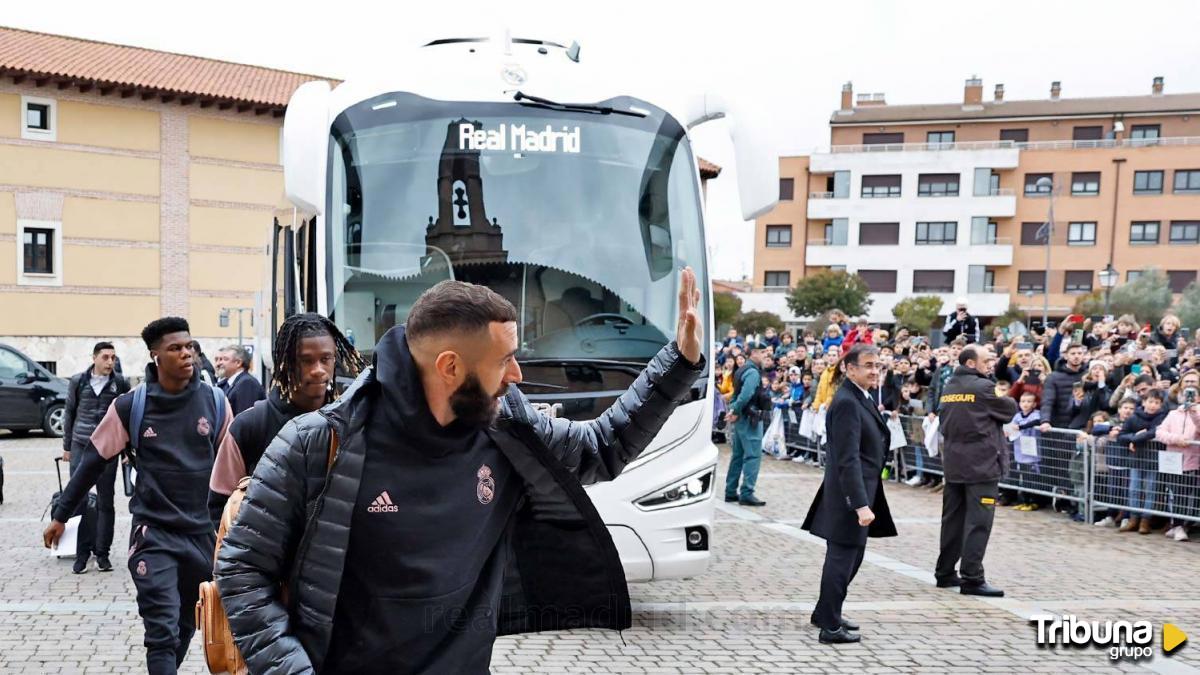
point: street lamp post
(223, 318)
(1108, 279)
(1047, 184)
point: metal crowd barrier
(1086, 472)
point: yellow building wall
(49, 167)
(224, 139)
(42, 314)
(110, 267)
(231, 184)
(85, 218)
(108, 126)
(10, 115)
(8, 266)
(8, 213)
(229, 227)
(204, 318)
(225, 272)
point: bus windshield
(580, 217)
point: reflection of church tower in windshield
(462, 229)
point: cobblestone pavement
(748, 614)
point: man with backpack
(749, 410)
(171, 428)
(308, 352)
(89, 396)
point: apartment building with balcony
(944, 199)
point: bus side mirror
(755, 150)
(305, 145)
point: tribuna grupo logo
(1120, 639)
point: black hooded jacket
(561, 569)
(1057, 406)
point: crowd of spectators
(1120, 393)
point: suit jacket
(245, 392)
(858, 439)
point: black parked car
(31, 397)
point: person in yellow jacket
(725, 381)
(826, 386)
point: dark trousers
(841, 565)
(167, 569)
(96, 534)
(967, 513)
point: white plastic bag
(806, 424)
(819, 424)
(898, 440)
(932, 437)
(774, 443)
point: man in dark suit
(240, 387)
(850, 505)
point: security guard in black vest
(975, 456)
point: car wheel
(52, 423)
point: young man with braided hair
(177, 423)
(309, 351)
(453, 511)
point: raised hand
(688, 331)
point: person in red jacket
(860, 334)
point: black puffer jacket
(1057, 406)
(85, 408)
(563, 570)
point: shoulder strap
(333, 449)
(136, 413)
(218, 397)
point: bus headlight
(690, 490)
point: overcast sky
(790, 57)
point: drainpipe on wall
(1112, 240)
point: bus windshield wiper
(539, 102)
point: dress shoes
(981, 589)
(838, 637)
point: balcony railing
(820, 195)
(999, 192)
(1001, 290)
(1006, 145)
(770, 289)
(825, 242)
(994, 241)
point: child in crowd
(1025, 450)
(1136, 434)
(1116, 460)
(833, 337)
(1002, 387)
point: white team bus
(513, 163)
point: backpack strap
(218, 397)
(136, 413)
(333, 450)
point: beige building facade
(122, 201)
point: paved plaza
(748, 614)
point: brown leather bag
(220, 652)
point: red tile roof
(708, 169)
(88, 62)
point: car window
(11, 365)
